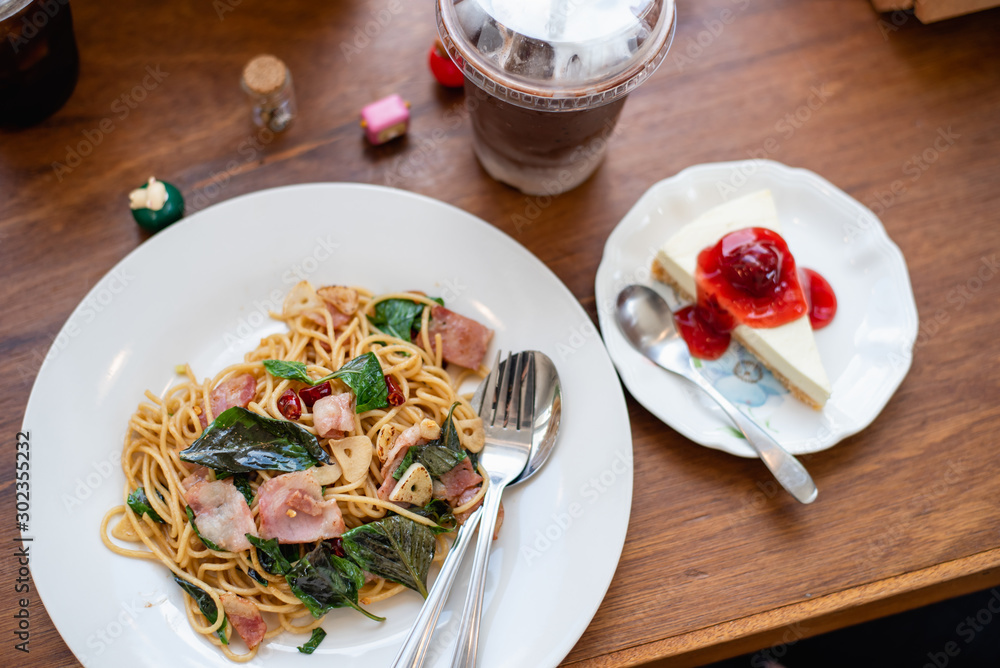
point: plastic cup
(546, 81)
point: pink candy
(385, 119)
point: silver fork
(508, 430)
(414, 649)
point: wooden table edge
(788, 624)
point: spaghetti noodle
(326, 330)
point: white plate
(199, 292)
(866, 349)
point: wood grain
(717, 560)
(929, 11)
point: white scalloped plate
(199, 292)
(866, 349)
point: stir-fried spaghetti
(325, 339)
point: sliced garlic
(300, 299)
(342, 298)
(354, 454)
(326, 475)
(471, 434)
(384, 440)
(429, 430)
(415, 486)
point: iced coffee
(546, 82)
(38, 60)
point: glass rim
(521, 93)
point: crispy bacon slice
(291, 508)
(457, 482)
(333, 416)
(200, 474)
(245, 617)
(236, 391)
(407, 438)
(221, 512)
(337, 318)
(463, 340)
(459, 486)
(341, 302)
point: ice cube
(530, 58)
(472, 17)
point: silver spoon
(646, 321)
(548, 412)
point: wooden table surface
(716, 561)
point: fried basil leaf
(395, 548)
(406, 462)
(398, 317)
(324, 581)
(269, 555)
(242, 483)
(439, 512)
(139, 504)
(258, 577)
(438, 456)
(209, 544)
(363, 375)
(290, 370)
(205, 604)
(239, 441)
(314, 640)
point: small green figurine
(156, 204)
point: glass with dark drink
(38, 59)
(546, 81)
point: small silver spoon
(548, 412)
(647, 323)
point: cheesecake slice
(789, 350)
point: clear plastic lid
(557, 54)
